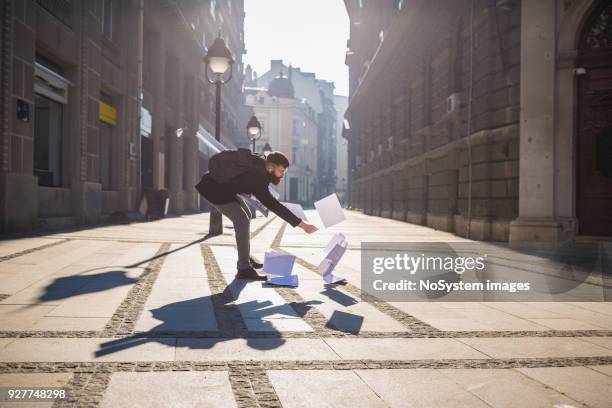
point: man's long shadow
(80, 284)
(197, 241)
(205, 322)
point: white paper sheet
(255, 203)
(278, 263)
(295, 209)
(336, 239)
(291, 280)
(328, 264)
(330, 210)
(331, 278)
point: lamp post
(219, 60)
(308, 172)
(267, 149)
(254, 130)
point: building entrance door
(594, 132)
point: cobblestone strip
(29, 251)
(228, 316)
(326, 331)
(409, 321)
(256, 367)
(86, 389)
(125, 317)
(265, 395)
(240, 380)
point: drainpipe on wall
(469, 122)
(139, 98)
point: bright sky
(309, 34)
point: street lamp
(219, 60)
(308, 172)
(254, 130)
(267, 149)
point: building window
(48, 141)
(295, 127)
(107, 18)
(599, 34)
(213, 9)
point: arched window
(598, 33)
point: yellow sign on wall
(108, 114)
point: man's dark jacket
(254, 181)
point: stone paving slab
(296, 389)
(423, 388)
(74, 349)
(600, 341)
(55, 380)
(581, 384)
(22, 317)
(508, 388)
(402, 349)
(164, 389)
(9, 247)
(534, 347)
(47, 323)
(200, 317)
(253, 349)
(604, 369)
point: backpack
(226, 165)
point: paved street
(148, 315)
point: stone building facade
(466, 116)
(75, 145)
(340, 104)
(289, 125)
(319, 94)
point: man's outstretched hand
(308, 228)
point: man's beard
(274, 179)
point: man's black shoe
(250, 274)
(254, 263)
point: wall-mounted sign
(146, 121)
(108, 114)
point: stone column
(18, 185)
(536, 220)
(159, 103)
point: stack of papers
(330, 210)
(280, 264)
(333, 252)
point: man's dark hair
(278, 158)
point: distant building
(319, 94)
(288, 125)
(73, 150)
(340, 104)
(495, 125)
